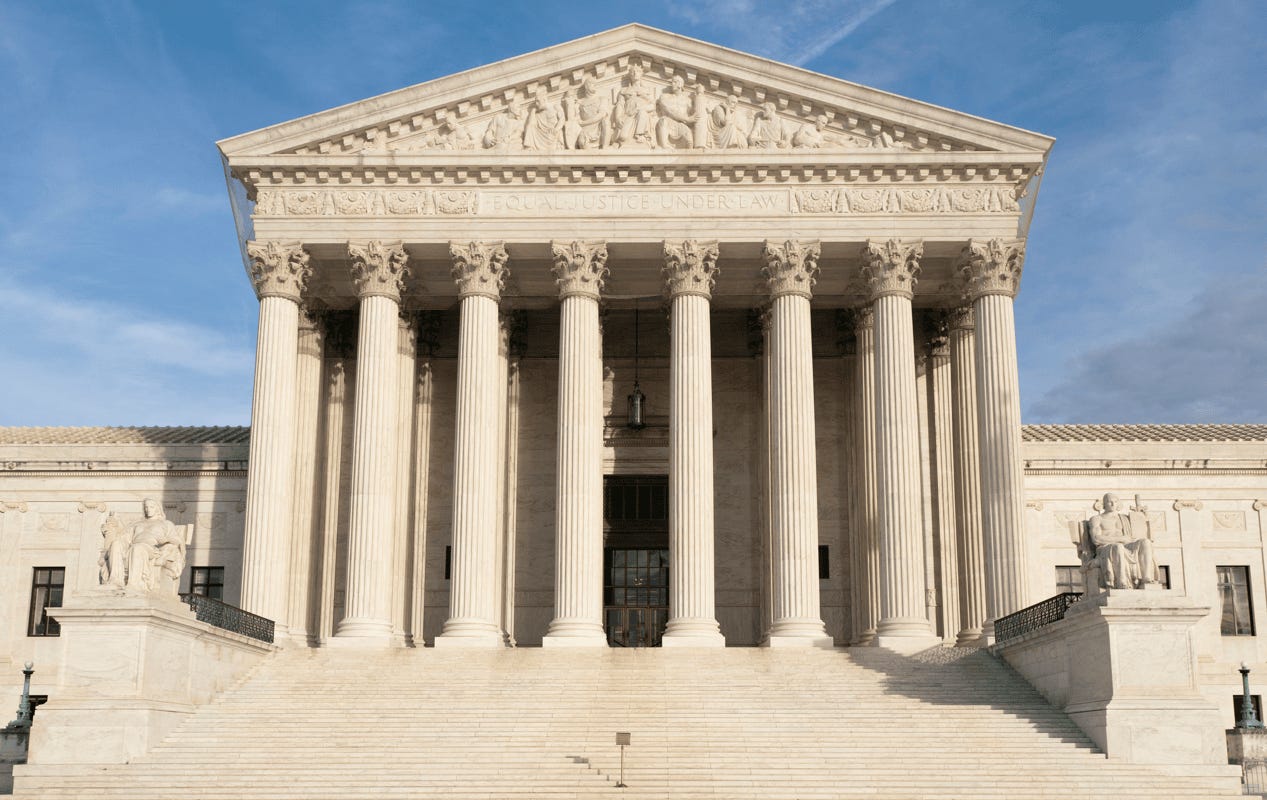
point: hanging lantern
(637, 400)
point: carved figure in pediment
(631, 116)
(450, 136)
(813, 134)
(767, 129)
(726, 125)
(588, 118)
(147, 555)
(678, 108)
(1120, 545)
(543, 129)
(503, 130)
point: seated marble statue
(147, 555)
(1123, 549)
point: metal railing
(1254, 777)
(230, 618)
(1036, 616)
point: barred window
(207, 581)
(1069, 579)
(46, 593)
(1238, 615)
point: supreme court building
(639, 341)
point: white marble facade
(822, 277)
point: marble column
(379, 272)
(991, 271)
(336, 401)
(790, 269)
(421, 491)
(943, 457)
(402, 545)
(690, 269)
(890, 269)
(865, 508)
(580, 269)
(305, 581)
(963, 365)
(479, 268)
(279, 272)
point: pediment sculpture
(635, 113)
(147, 555)
(1116, 548)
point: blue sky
(122, 294)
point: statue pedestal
(1123, 666)
(134, 666)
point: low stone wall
(134, 668)
(1123, 666)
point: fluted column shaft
(865, 506)
(891, 268)
(406, 374)
(479, 270)
(378, 271)
(963, 365)
(690, 270)
(304, 580)
(944, 474)
(992, 271)
(279, 272)
(579, 268)
(796, 608)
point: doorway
(635, 559)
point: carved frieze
(641, 103)
(791, 267)
(992, 267)
(479, 268)
(891, 267)
(379, 268)
(580, 267)
(980, 199)
(690, 267)
(279, 269)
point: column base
(366, 633)
(866, 639)
(906, 635)
(574, 633)
(775, 641)
(470, 634)
(970, 637)
(692, 633)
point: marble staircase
(732, 723)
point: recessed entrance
(635, 559)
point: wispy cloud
(794, 32)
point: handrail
(229, 618)
(1034, 617)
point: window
(448, 561)
(1254, 699)
(1165, 576)
(46, 593)
(207, 581)
(1238, 617)
(1069, 579)
(824, 563)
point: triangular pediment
(632, 89)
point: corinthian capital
(962, 318)
(690, 267)
(791, 267)
(580, 267)
(479, 268)
(891, 267)
(379, 268)
(279, 269)
(991, 267)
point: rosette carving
(479, 268)
(379, 268)
(791, 267)
(580, 267)
(991, 267)
(279, 269)
(690, 267)
(891, 267)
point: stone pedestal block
(1123, 666)
(134, 667)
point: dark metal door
(635, 595)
